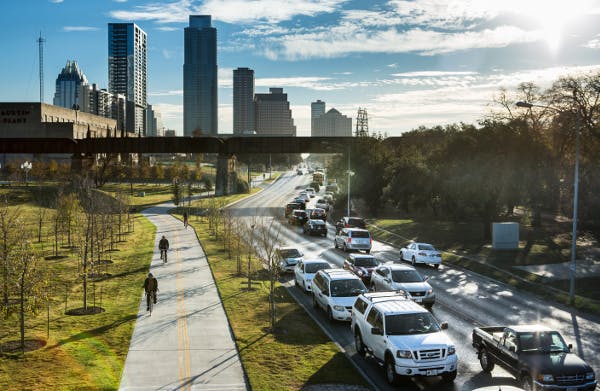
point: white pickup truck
(403, 336)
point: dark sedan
(315, 227)
(298, 217)
(362, 265)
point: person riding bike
(163, 246)
(151, 287)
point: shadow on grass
(335, 372)
(95, 332)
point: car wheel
(526, 383)
(358, 343)
(448, 377)
(436, 266)
(401, 256)
(345, 247)
(486, 363)
(330, 314)
(413, 261)
(390, 371)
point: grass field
(297, 354)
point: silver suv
(335, 290)
(353, 239)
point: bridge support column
(226, 180)
(81, 163)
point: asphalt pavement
(186, 343)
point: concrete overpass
(226, 147)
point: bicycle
(163, 255)
(150, 298)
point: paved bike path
(186, 344)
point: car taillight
(371, 240)
(349, 240)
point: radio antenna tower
(362, 123)
(41, 41)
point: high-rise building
(317, 109)
(332, 123)
(200, 101)
(273, 114)
(243, 101)
(68, 83)
(127, 71)
(154, 126)
(103, 103)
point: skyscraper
(68, 83)
(317, 109)
(273, 114)
(200, 102)
(332, 123)
(127, 71)
(243, 100)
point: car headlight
(403, 354)
(429, 292)
(545, 378)
(282, 264)
(590, 376)
(451, 350)
(360, 273)
(339, 308)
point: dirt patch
(12, 347)
(82, 311)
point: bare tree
(268, 243)
(10, 221)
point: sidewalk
(186, 344)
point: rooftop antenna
(41, 41)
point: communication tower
(41, 41)
(362, 123)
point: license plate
(431, 372)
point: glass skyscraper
(243, 101)
(127, 67)
(200, 101)
(68, 83)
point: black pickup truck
(536, 355)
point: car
(318, 213)
(305, 271)
(310, 191)
(288, 258)
(353, 239)
(351, 222)
(298, 217)
(333, 187)
(323, 204)
(291, 206)
(421, 253)
(393, 277)
(299, 172)
(362, 265)
(335, 290)
(304, 196)
(300, 201)
(315, 227)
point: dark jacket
(163, 244)
(151, 284)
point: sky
(408, 63)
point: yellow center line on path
(182, 331)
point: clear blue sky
(409, 63)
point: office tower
(273, 114)
(154, 122)
(68, 83)
(127, 67)
(200, 102)
(243, 101)
(317, 109)
(332, 123)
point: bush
(242, 186)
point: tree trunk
(22, 312)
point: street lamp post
(26, 166)
(573, 265)
(350, 173)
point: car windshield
(360, 234)
(289, 253)
(405, 324)
(356, 222)
(345, 288)
(315, 267)
(426, 247)
(366, 262)
(543, 341)
(406, 276)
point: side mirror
(376, 331)
(570, 346)
(512, 348)
(444, 326)
(426, 278)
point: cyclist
(163, 246)
(185, 219)
(151, 287)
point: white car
(335, 290)
(421, 253)
(310, 191)
(288, 258)
(323, 204)
(305, 271)
(393, 277)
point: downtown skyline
(409, 63)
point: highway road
(463, 299)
